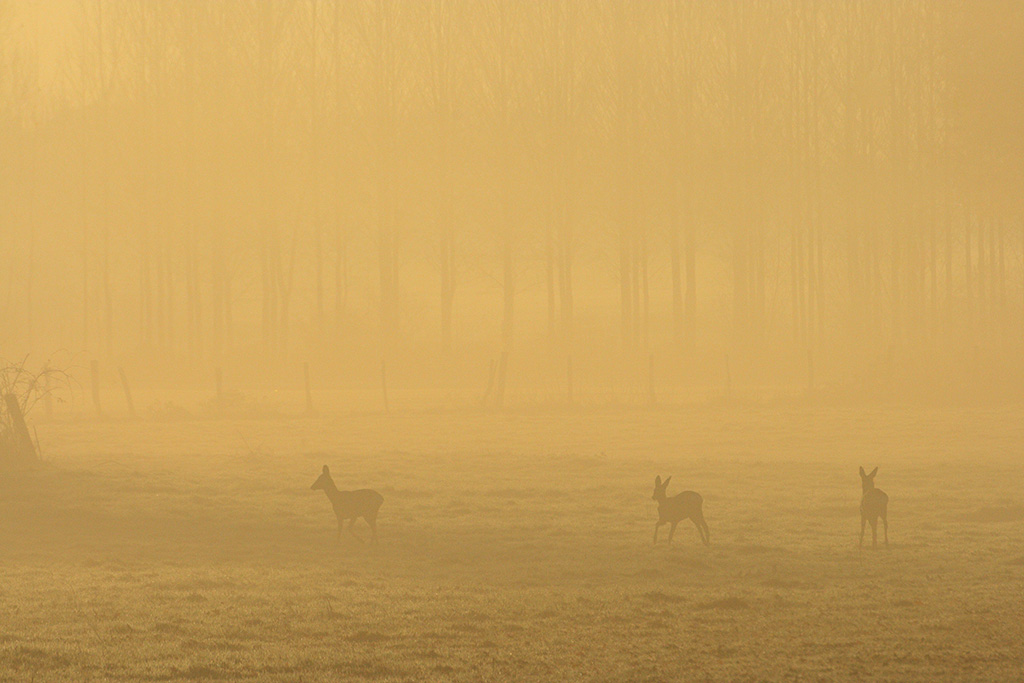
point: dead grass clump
(192, 644)
(996, 514)
(201, 672)
(659, 597)
(367, 637)
(726, 604)
(906, 603)
(365, 668)
(22, 657)
(755, 549)
(787, 584)
(689, 563)
(168, 628)
(650, 573)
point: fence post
(810, 370)
(490, 384)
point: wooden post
(502, 369)
(309, 393)
(94, 367)
(568, 376)
(127, 391)
(810, 370)
(384, 382)
(24, 449)
(490, 384)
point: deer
(873, 505)
(351, 505)
(685, 505)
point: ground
(517, 546)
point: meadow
(517, 546)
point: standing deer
(872, 506)
(685, 505)
(352, 505)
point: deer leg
(863, 521)
(352, 530)
(672, 531)
(874, 532)
(372, 521)
(885, 524)
(702, 530)
(341, 523)
(657, 524)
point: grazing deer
(872, 506)
(685, 505)
(352, 505)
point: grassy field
(518, 547)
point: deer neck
(330, 489)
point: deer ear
(863, 473)
(873, 473)
(667, 481)
(326, 471)
(657, 480)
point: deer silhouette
(352, 505)
(685, 505)
(873, 505)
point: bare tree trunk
(549, 262)
(645, 263)
(447, 288)
(340, 272)
(691, 287)
(677, 285)
(968, 274)
(314, 170)
(625, 269)
(340, 255)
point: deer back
(355, 503)
(874, 502)
(680, 506)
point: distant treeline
(266, 178)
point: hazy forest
(765, 193)
(532, 280)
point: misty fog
(502, 264)
(771, 186)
